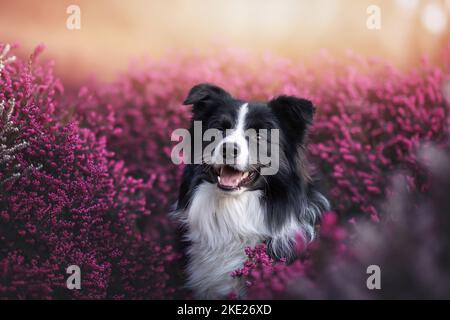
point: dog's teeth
(221, 170)
(218, 178)
(245, 175)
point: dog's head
(244, 143)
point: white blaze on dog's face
(233, 150)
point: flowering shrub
(106, 181)
(266, 278)
(80, 208)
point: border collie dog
(225, 207)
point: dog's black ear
(204, 92)
(296, 113)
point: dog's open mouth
(230, 179)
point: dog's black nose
(230, 150)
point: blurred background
(115, 31)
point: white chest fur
(220, 226)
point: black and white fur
(274, 209)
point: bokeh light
(434, 17)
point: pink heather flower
(81, 207)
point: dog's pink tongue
(230, 177)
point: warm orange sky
(114, 31)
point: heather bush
(80, 207)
